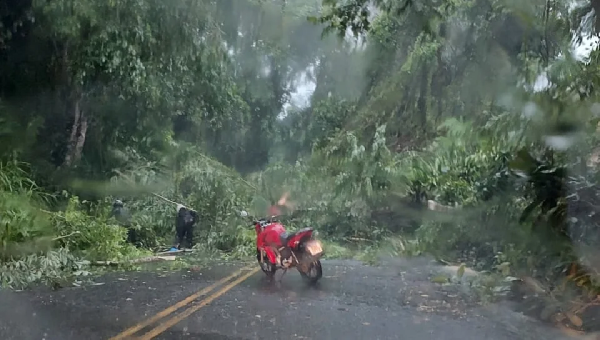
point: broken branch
(127, 178)
(65, 236)
(147, 259)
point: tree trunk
(83, 126)
(80, 122)
(78, 133)
(596, 6)
(422, 101)
(440, 81)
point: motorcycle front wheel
(314, 272)
(268, 268)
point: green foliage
(216, 192)
(21, 220)
(90, 237)
(338, 189)
(53, 267)
(29, 233)
(463, 165)
(218, 196)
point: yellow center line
(175, 307)
(177, 318)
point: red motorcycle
(278, 249)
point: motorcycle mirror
(244, 213)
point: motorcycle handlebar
(268, 220)
(244, 213)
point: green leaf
(460, 271)
(523, 162)
(312, 19)
(440, 279)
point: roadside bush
(38, 245)
(216, 192)
(54, 267)
(23, 226)
(91, 237)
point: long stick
(173, 202)
(65, 236)
(135, 261)
(155, 194)
(164, 198)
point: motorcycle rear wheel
(314, 272)
(268, 268)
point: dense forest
(462, 129)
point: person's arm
(284, 203)
(283, 199)
(178, 219)
(194, 215)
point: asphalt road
(353, 301)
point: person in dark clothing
(184, 226)
(121, 214)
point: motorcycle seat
(285, 237)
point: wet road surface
(353, 301)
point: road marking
(176, 306)
(179, 317)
